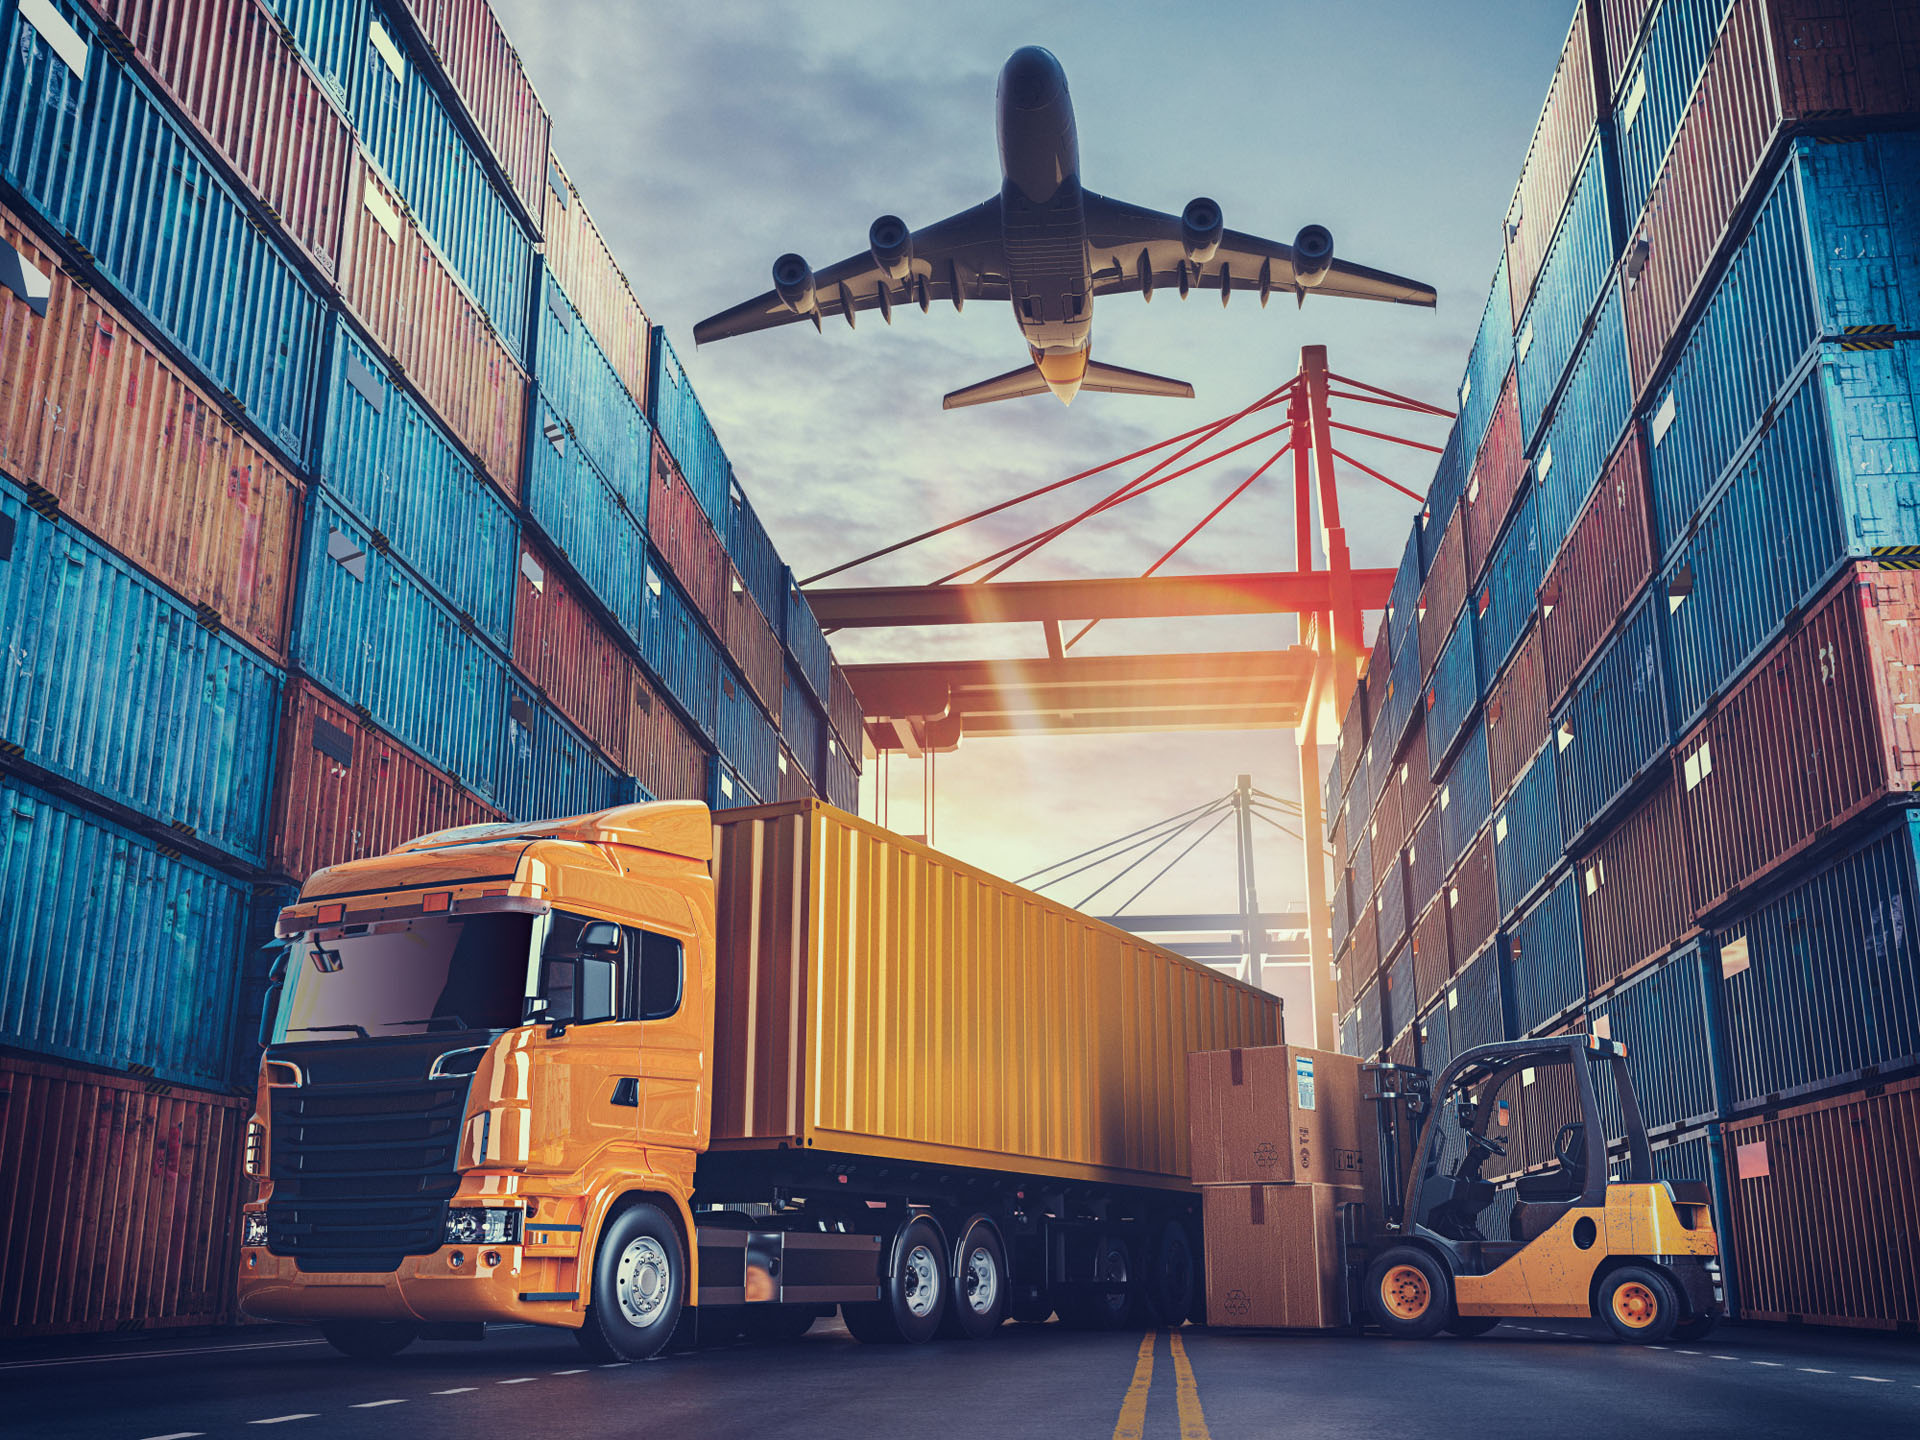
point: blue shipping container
(1587, 423)
(1360, 862)
(1403, 704)
(546, 768)
(112, 951)
(1821, 985)
(111, 682)
(1666, 1017)
(582, 517)
(1350, 1033)
(1453, 694)
(415, 140)
(1340, 904)
(331, 35)
(1369, 1021)
(678, 649)
(806, 643)
(1527, 837)
(1443, 493)
(726, 788)
(1476, 1007)
(843, 781)
(753, 555)
(746, 737)
(1487, 364)
(1572, 277)
(1425, 869)
(1653, 95)
(1390, 904)
(94, 151)
(1505, 604)
(1433, 1041)
(1614, 726)
(1546, 959)
(1403, 601)
(580, 384)
(688, 435)
(396, 470)
(802, 726)
(371, 633)
(1466, 796)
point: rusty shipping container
(1620, 26)
(347, 790)
(753, 647)
(99, 425)
(1517, 715)
(593, 280)
(1635, 890)
(579, 664)
(686, 540)
(1445, 592)
(1560, 136)
(1773, 66)
(665, 754)
(120, 1200)
(1432, 953)
(1607, 557)
(1000, 1061)
(1826, 1210)
(396, 285)
(845, 715)
(1473, 898)
(226, 65)
(1499, 474)
(1386, 831)
(1821, 727)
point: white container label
(1453, 999)
(1663, 418)
(1636, 97)
(1734, 958)
(1500, 830)
(1544, 465)
(530, 568)
(389, 52)
(65, 41)
(1303, 1081)
(381, 208)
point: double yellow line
(1133, 1409)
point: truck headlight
(253, 1229)
(473, 1225)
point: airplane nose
(1031, 79)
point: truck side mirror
(269, 1013)
(598, 936)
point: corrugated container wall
(1572, 277)
(582, 517)
(1445, 592)
(1545, 959)
(1614, 725)
(1432, 954)
(1499, 474)
(678, 649)
(684, 539)
(1654, 90)
(681, 421)
(1475, 1005)
(758, 561)
(1488, 364)
(805, 641)
(1466, 796)
(1504, 605)
(1517, 717)
(1403, 600)
(800, 727)
(746, 737)
(1665, 1017)
(579, 382)
(752, 645)
(1526, 832)
(1453, 693)
(1635, 892)
(545, 766)
(1560, 137)
(1586, 424)
(578, 254)
(331, 35)
(570, 656)
(1473, 898)
(845, 713)
(1601, 566)
(1443, 492)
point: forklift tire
(1409, 1293)
(639, 1285)
(912, 1296)
(1468, 1326)
(369, 1339)
(1695, 1327)
(1639, 1304)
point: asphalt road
(1549, 1378)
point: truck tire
(977, 1303)
(1409, 1294)
(913, 1294)
(1172, 1276)
(639, 1285)
(370, 1339)
(1107, 1303)
(1640, 1305)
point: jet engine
(892, 246)
(1200, 229)
(793, 283)
(1312, 255)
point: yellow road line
(1133, 1409)
(1193, 1424)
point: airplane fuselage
(1043, 220)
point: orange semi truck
(656, 1071)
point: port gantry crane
(922, 708)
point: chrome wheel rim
(983, 1282)
(921, 1279)
(642, 1280)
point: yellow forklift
(1452, 1251)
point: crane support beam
(1285, 592)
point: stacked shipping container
(1672, 641)
(348, 495)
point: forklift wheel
(1639, 1305)
(1409, 1293)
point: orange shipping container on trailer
(594, 282)
(120, 1201)
(396, 286)
(98, 424)
(879, 998)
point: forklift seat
(1542, 1199)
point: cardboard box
(1274, 1257)
(1280, 1114)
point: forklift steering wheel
(1570, 1146)
(1491, 1143)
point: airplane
(1050, 248)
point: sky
(707, 140)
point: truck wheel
(1171, 1279)
(370, 1339)
(639, 1285)
(1409, 1293)
(1639, 1305)
(977, 1305)
(1106, 1304)
(912, 1295)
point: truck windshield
(444, 972)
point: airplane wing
(956, 259)
(1135, 249)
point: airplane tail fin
(1027, 380)
(1118, 380)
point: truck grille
(362, 1173)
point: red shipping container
(1607, 557)
(397, 287)
(347, 790)
(1554, 155)
(1620, 25)
(754, 648)
(1498, 475)
(1516, 713)
(1635, 900)
(577, 663)
(1473, 898)
(1432, 955)
(1346, 981)
(228, 67)
(1417, 790)
(120, 1200)
(1819, 730)
(1445, 591)
(1386, 831)
(685, 538)
(97, 424)
(1363, 959)
(663, 753)
(1776, 62)
(485, 70)
(1826, 1210)
(595, 284)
